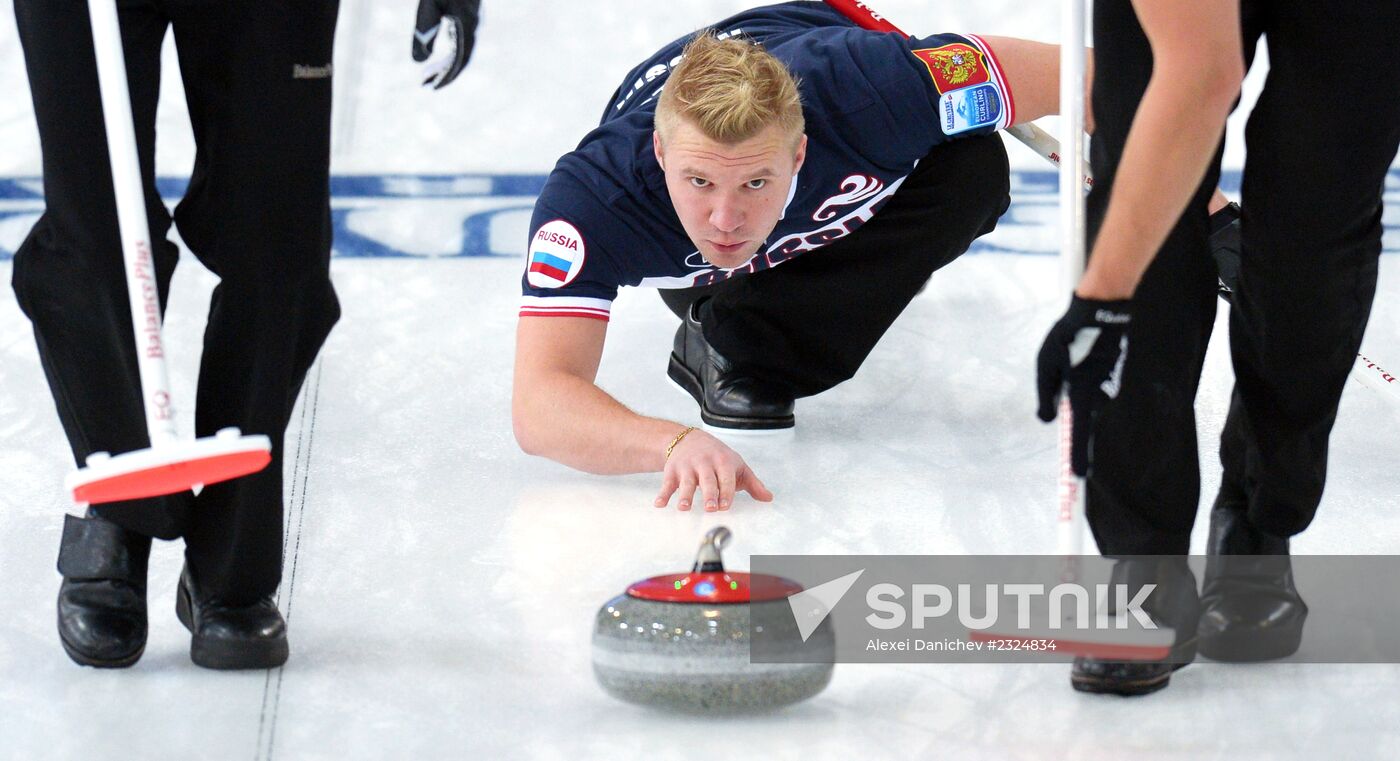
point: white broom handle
(1373, 376)
(1070, 530)
(131, 217)
(1071, 151)
(1047, 146)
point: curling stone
(681, 641)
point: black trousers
(257, 214)
(810, 322)
(1319, 145)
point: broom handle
(1070, 538)
(131, 218)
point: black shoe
(1251, 610)
(230, 636)
(102, 601)
(726, 398)
(1126, 678)
(1174, 605)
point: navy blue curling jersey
(874, 103)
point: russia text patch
(556, 255)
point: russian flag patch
(556, 255)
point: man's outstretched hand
(701, 461)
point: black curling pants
(810, 322)
(256, 213)
(1319, 143)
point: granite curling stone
(682, 641)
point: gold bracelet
(670, 447)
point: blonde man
(861, 162)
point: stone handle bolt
(707, 560)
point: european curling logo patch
(970, 108)
(556, 255)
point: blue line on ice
(487, 215)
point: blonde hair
(731, 90)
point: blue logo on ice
(970, 108)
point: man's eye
(755, 184)
(699, 182)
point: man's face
(728, 197)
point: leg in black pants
(809, 323)
(1145, 483)
(1318, 152)
(257, 214)
(69, 280)
(1319, 149)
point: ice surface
(440, 585)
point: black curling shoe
(727, 399)
(102, 601)
(1126, 678)
(230, 636)
(1251, 610)
(1174, 604)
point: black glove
(1225, 247)
(454, 19)
(1084, 351)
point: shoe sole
(1250, 646)
(1097, 686)
(83, 659)
(223, 655)
(687, 382)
